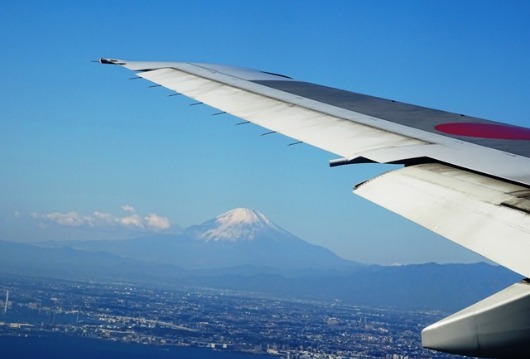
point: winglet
(111, 61)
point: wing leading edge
(466, 178)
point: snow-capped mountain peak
(242, 216)
(236, 225)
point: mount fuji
(238, 225)
(238, 238)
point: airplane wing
(465, 178)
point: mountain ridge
(243, 250)
(235, 238)
(424, 286)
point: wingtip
(111, 61)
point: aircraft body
(465, 178)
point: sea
(58, 346)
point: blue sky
(86, 153)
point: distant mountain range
(240, 237)
(243, 250)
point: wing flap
(470, 209)
(498, 326)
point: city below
(220, 320)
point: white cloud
(132, 221)
(103, 217)
(71, 219)
(157, 222)
(105, 220)
(128, 208)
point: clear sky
(86, 153)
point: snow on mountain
(240, 224)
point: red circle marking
(485, 130)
